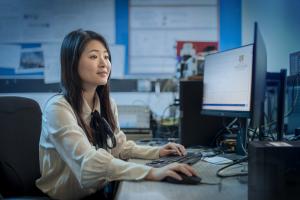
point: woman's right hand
(157, 174)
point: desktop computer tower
(195, 128)
(274, 170)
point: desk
(233, 188)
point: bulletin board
(156, 26)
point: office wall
(147, 29)
(279, 23)
(157, 101)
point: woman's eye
(106, 57)
(93, 57)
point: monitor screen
(228, 82)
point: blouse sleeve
(129, 149)
(90, 166)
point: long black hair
(71, 49)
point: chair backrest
(20, 129)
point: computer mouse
(189, 180)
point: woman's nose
(102, 62)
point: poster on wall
(21, 63)
(155, 27)
(191, 56)
(31, 61)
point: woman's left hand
(172, 148)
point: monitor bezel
(259, 75)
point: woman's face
(94, 65)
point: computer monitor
(234, 81)
(228, 82)
(235, 84)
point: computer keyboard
(190, 158)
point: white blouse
(71, 167)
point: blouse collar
(86, 110)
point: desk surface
(233, 188)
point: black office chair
(20, 129)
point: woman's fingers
(172, 170)
(191, 170)
(174, 175)
(183, 168)
(181, 148)
(172, 148)
(178, 148)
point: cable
(230, 124)
(222, 129)
(219, 172)
(243, 145)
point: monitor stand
(241, 137)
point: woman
(81, 147)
